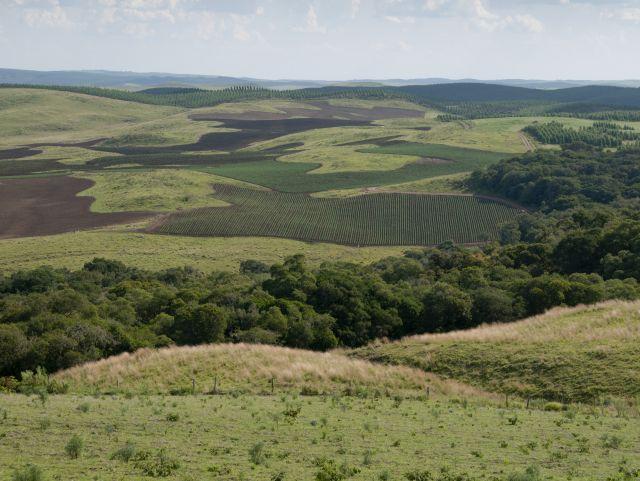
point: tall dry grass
(611, 320)
(249, 368)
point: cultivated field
(148, 159)
(49, 205)
(375, 219)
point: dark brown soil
(247, 132)
(18, 153)
(48, 205)
(323, 110)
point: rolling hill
(577, 354)
(248, 368)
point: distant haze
(327, 39)
(137, 80)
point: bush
(39, 381)
(28, 473)
(126, 453)
(9, 384)
(74, 447)
(330, 471)
(611, 441)
(257, 454)
(532, 473)
(553, 406)
(158, 466)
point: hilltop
(249, 368)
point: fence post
(215, 385)
(272, 385)
(428, 393)
(193, 385)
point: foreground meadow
(292, 437)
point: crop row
(374, 219)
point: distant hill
(576, 354)
(139, 80)
(135, 80)
(625, 97)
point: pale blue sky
(328, 39)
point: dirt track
(48, 205)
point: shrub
(419, 476)
(173, 417)
(126, 453)
(74, 447)
(84, 407)
(9, 384)
(257, 454)
(553, 406)
(158, 466)
(39, 381)
(330, 471)
(28, 473)
(611, 441)
(532, 473)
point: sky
(328, 39)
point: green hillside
(579, 354)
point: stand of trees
(600, 134)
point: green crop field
(376, 219)
(473, 158)
(300, 177)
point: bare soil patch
(48, 205)
(18, 153)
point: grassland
(156, 252)
(257, 438)
(154, 191)
(30, 116)
(247, 369)
(357, 420)
(580, 353)
(377, 219)
(444, 184)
